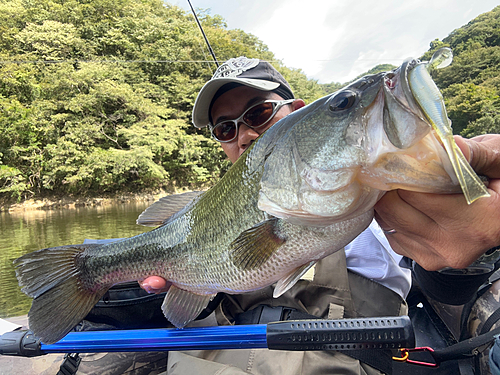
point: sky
(337, 40)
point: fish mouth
(404, 122)
(405, 84)
(396, 82)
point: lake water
(24, 232)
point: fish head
(336, 157)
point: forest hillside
(96, 95)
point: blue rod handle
(206, 338)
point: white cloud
(300, 40)
(336, 40)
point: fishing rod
(341, 334)
(203, 32)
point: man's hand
(155, 284)
(441, 230)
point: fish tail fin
(53, 278)
(472, 186)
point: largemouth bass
(303, 190)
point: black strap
(70, 364)
(466, 348)
(492, 319)
(263, 314)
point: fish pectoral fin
(255, 246)
(289, 280)
(162, 210)
(181, 307)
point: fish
(302, 191)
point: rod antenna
(203, 32)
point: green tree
(467, 103)
(96, 96)
(471, 84)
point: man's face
(232, 104)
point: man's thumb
(483, 153)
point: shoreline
(53, 203)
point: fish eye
(342, 101)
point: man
(243, 99)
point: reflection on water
(25, 232)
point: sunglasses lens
(258, 115)
(224, 131)
(254, 117)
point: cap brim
(204, 98)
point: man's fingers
(395, 212)
(154, 284)
(483, 153)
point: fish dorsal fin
(162, 210)
(181, 307)
(289, 280)
(255, 246)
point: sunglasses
(254, 117)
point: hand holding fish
(439, 230)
